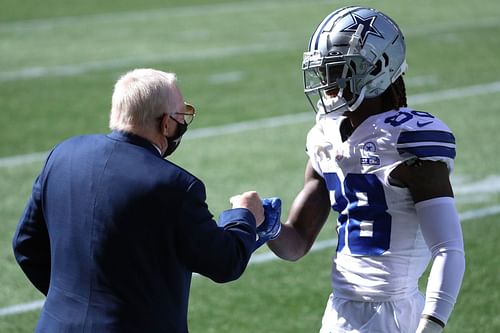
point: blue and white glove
(271, 227)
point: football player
(384, 168)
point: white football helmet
(355, 53)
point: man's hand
(251, 201)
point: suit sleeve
(220, 252)
(31, 242)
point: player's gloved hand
(428, 326)
(271, 227)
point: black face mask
(175, 140)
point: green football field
(239, 63)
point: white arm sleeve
(442, 232)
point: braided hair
(394, 97)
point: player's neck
(368, 108)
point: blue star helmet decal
(368, 27)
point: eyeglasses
(188, 114)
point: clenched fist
(251, 201)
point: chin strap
(324, 108)
(359, 100)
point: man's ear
(164, 125)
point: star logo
(370, 147)
(368, 28)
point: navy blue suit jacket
(112, 234)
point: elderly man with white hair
(113, 231)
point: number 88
(364, 225)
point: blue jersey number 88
(364, 225)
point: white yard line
(21, 308)
(190, 12)
(289, 119)
(489, 185)
(454, 93)
(261, 258)
(227, 77)
(181, 56)
(144, 15)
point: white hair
(140, 97)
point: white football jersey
(381, 252)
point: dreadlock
(394, 97)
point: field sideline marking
(289, 119)
(262, 258)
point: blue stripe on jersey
(428, 151)
(421, 136)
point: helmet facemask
(333, 84)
